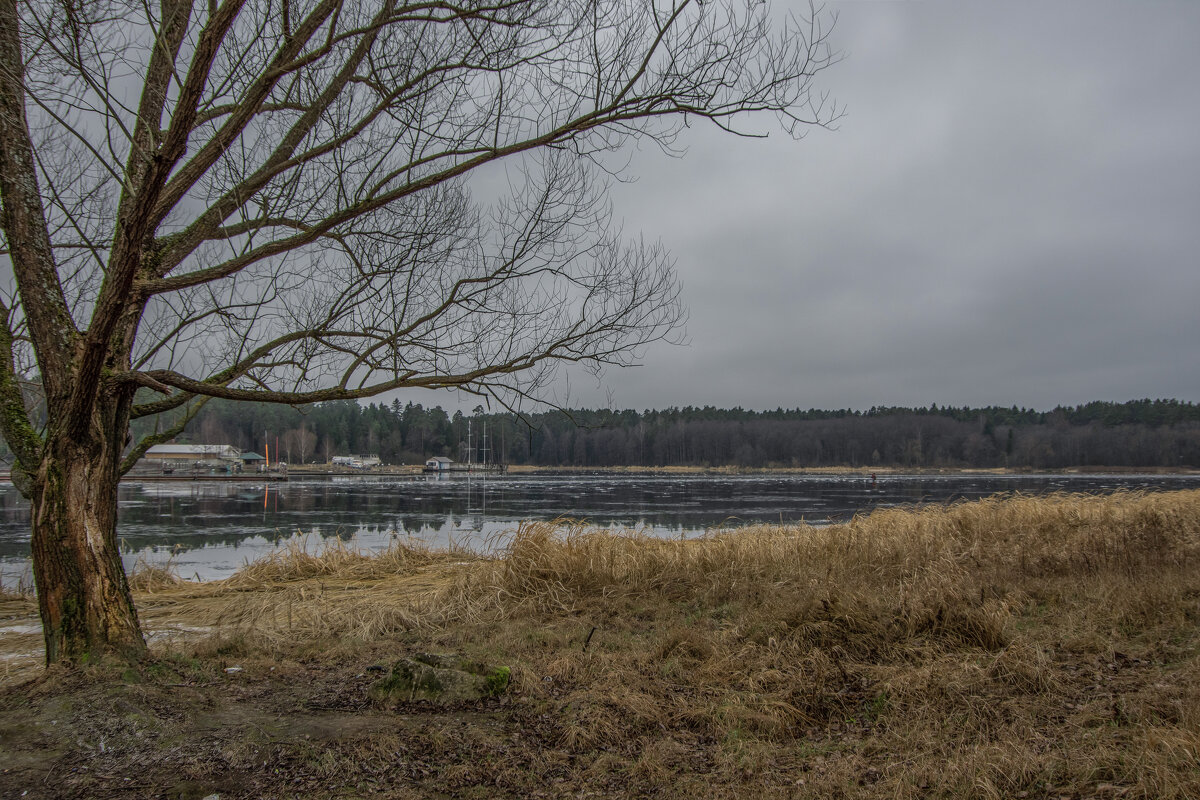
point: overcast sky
(1009, 213)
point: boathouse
(253, 461)
(190, 457)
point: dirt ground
(187, 730)
(224, 723)
(218, 718)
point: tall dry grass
(337, 560)
(307, 592)
(1040, 645)
(1006, 646)
(1001, 539)
(956, 570)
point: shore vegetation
(1040, 647)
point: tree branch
(24, 221)
(24, 441)
(139, 450)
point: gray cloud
(1008, 214)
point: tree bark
(86, 608)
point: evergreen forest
(1140, 433)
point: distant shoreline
(532, 469)
(415, 470)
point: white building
(169, 457)
(438, 464)
(356, 462)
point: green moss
(398, 683)
(430, 683)
(405, 682)
(14, 420)
(498, 680)
(442, 679)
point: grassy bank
(1014, 647)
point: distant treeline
(1141, 433)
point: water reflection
(210, 528)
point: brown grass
(985, 649)
(1011, 647)
(148, 577)
(22, 587)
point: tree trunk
(83, 595)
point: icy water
(208, 529)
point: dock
(250, 477)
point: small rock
(442, 679)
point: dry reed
(957, 572)
(1011, 647)
(992, 639)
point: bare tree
(299, 439)
(268, 200)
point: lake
(208, 529)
